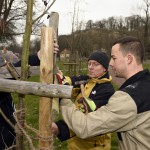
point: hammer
(89, 104)
(81, 83)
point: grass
(32, 111)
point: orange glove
(61, 79)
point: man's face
(118, 62)
(95, 69)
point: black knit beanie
(100, 57)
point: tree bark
(24, 68)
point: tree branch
(43, 12)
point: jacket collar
(105, 78)
(134, 78)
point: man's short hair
(133, 45)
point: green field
(32, 111)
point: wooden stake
(46, 76)
(53, 22)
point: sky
(94, 10)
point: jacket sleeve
(33, 61)
(64, 130)
(8, 108)
(114, 116)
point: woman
(98, 88)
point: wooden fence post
(46, 76)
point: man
(7, 133)
(98, 87)
(128, 109)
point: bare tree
(10, 13)
(146, 22)
(144, 16)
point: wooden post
(53, 22)
(46, 76)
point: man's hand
(54, 129)
(86, 105)
(56, 49)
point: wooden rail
(34, 88)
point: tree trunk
(24, 68)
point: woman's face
(95, 69)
